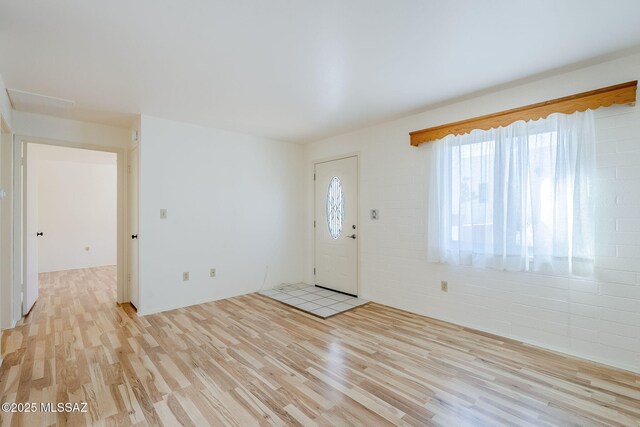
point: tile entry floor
(314, 300)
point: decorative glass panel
(335, 207)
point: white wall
(77, 208)
(235, 203)
(598, 319)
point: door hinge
(314, 271)
(314, 224)
(314, 176)
(129, 168)
(129, 277)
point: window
(517, 197)
(335, 207)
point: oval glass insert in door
(335, 207)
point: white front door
(336, 225)
(134, 292)
(32, 234)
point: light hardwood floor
(250, 360)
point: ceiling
(294, 70)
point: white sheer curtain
(518, 197)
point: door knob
(353, 236)
(134, 236)
(39, 233)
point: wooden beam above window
(624, 93)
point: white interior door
(134, 291)
(336, 225)
(32, 234)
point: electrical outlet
(444, 286)
(185, 276)
(212, 272)
(163, 214)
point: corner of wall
(259, 181)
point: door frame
(315, 162)
(27, 168)
(129, 231)
(19, 234)
(7, 319)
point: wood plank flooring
(250, 361)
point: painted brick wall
(596, 318)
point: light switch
(163, 214)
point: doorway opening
(71, 224)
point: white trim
(6, 231)
(129, 232)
